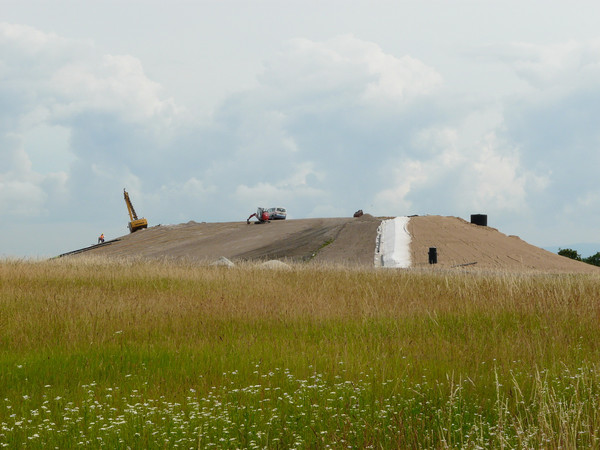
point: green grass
(101, 353)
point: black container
(432, 255)
(479, 219)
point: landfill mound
(346, 241)
(461, 244)
(338, 241)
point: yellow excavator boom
(135, 224)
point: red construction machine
(262, 216)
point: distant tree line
(573, 254)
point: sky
(204, 110)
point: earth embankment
(461, 244)
(341, 241)
(348, 241)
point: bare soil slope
(352, 241)
(462, 244)
(345, 241)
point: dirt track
(345, 241)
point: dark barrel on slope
(432, 255)
(479, 219)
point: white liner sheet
(393, 244)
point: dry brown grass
(435, 320)
(178, 326)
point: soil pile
(337, 240)
(461, 244)
(340, 241)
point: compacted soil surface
(460, 245)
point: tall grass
(150, 354)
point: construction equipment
(135, 224)
(261, 214)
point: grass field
(98, 353)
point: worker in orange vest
(101, 239)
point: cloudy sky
(205, 110)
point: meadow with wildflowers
(138, 354)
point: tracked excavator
(135, 224)
(262, 216)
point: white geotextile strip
(392, 248)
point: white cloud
(47, 146)
(496, 182)
(327, 210)
(564, 65)
(114, 84)
(66, 109)
(328, 127)
(347, 69)
(554, 127)
(461, 170)
(341, 104)
(23, 192)
(268, 195)
(407, 176)
(21, 198)
(54, 78)
(399, 79)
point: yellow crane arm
(135, 224)
(132, 214)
